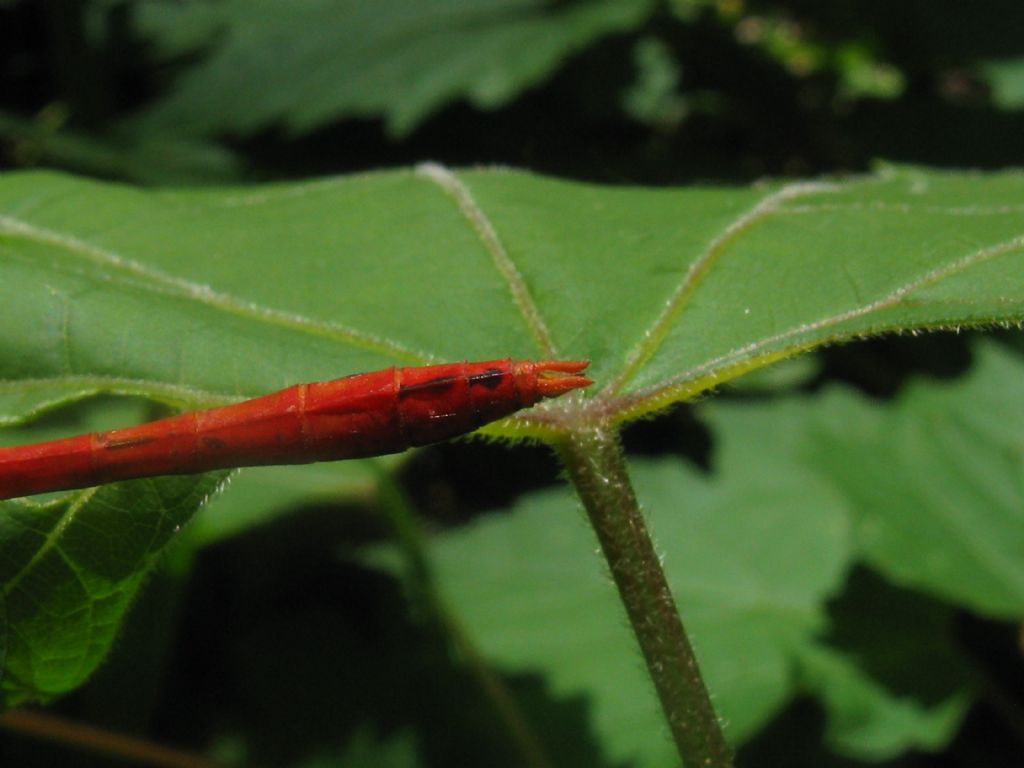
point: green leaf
(933, 485)
(147, 160)
(893, 676)
(750, 565)
(91, 415)
(935, 480)
(367, 751)
(260, 494)
(199, 297)
(1006, 79)
(654, 98)
(307, 64)
(867, 721)
(937, 483)
(69, 570)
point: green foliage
(194, 92)
(937, 486)
(934, 480)
(147, 160)
(193, 298)
(71, 567)
(1006, 78)
(654, 98)
(892, 676)
(751, 561)
(260, 496)
(197, 298)
(367, 752)
(837, 553)
(403, 59)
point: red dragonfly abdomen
(367, 414)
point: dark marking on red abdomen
(214, 443)
(440, 384)
(490, 379)
(114, 443)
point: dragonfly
(367, 414)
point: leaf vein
(985, 551)
(157, 280)
(653, 336)
(488, 237)
(49, 542)
(908, 208)
(713, 369)
(172, 394)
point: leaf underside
(71, 567)
(196, 298)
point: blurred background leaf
(305, 64)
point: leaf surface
(69, 569)
(1006, 79)
(935, 479)
(258, 495)
(202, 297)
(937, 482)
(892, 676)
(869, 722)
(197, 298)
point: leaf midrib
(159, 282)
(741, 359)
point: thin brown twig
(43, 725)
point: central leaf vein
(653, 337)
(154, 279)
(713, 371)
(503, 263)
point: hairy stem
(596, 466)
